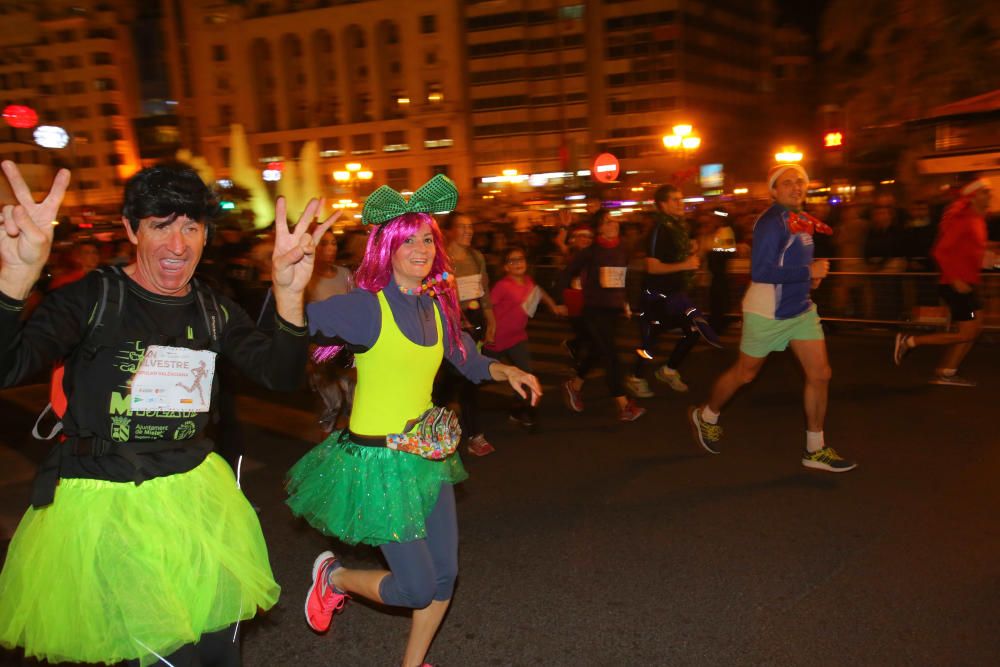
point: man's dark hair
(663, 192)
(168, 190)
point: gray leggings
(424, 570)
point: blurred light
(50, 136)
(575, 197)
(509, 172)
(55, 222)
(435, 97)
(227, 205)
(672, 141)
(271, 175)
(538, 180)
(638, 189)
(888, 182)
(834, 200)
(740, 191)
(275, 166)
(402, 100)
(583, 172)
(224, 183)
(20, 116)
(690, 143)
(171, 103)
(365, 175)
(353, 166)
(788, 154)
(694, 200)
(721, 214)
(341, 176)
(682, 130)
(833, 139)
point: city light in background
(823, 85)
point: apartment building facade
(70, 61)
(374, 83)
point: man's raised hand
(26, 231)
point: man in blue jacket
(778, 313)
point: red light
(19, 116)
(275, 166)
(833, 140)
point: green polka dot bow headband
(437, 195)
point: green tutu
(371, 495)
(112, 571)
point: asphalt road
(592, 542)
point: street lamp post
(683, 140)
(351, 176)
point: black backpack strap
(211, 311)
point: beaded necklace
(431, 285)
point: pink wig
(376, 270)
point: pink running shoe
(323, 600)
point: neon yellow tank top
(395, 378)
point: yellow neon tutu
(112, 571)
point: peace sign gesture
(294, 250)
(26, 231)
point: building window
(571, 12)
(66, 36)
(86, 161)
(113, 134)
(43, 65)
(395, 141)
(222, 83)
(219, 54)
(270, 153)
(398, 179)
(431, 57)
(101, 58)
(428, 24)
(114, 159)
(435, 93)
(362, 144)
(69, 62)
(79, 112)
(440, 169)
(225, 114)
(109, 109)
(330, 147)
(437, 137)
(74, 87)
(105, 83)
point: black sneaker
(523, 417)
(827, 459)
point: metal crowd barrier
(851, 293)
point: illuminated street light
(353, 166)
(788, 154)
(51, 136)
(341, 176)
(365, 175)
(683, 139)
(509, 173)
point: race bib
(174, 379)
(469, 287)
(530, 304)
(612, 277)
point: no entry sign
(605, 168)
